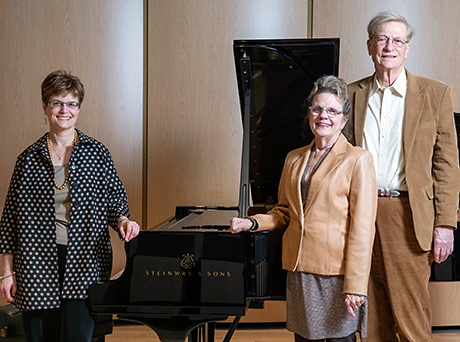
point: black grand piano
(190, 270)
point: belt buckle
(394, 193)
(389, 193)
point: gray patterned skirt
(316, 307)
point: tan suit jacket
(334, 233)
(429, 147)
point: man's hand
(443, 242)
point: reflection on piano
(190, 270)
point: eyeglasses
(331, 112)
(397, 42)
(60, 104)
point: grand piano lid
(274, 79)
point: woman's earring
(46, 120)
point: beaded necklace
(66, 180)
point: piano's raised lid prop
(274, 79)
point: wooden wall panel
(445, 297)
(434, 48)
(101, 41)
(194, 119)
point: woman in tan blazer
(327, 204)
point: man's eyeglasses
(384, 40)
(331, 112)
(60, 104)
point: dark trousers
(351, 338)
(71, 322)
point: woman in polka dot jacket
(54, 235)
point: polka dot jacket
(27, 226)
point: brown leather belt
(392, 193)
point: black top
(28, 227)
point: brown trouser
(399, 301)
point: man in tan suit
(406, 122)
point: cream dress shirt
(383, 133)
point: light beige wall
(101, 41)
(434, 50)
(194, 118)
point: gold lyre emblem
(187, 261)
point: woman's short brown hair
(61, 81)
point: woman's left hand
(128, 229)
(353, 302)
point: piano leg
(203, 333)
(206, 332)
(172, 329)
(232, 329)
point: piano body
(190, 270)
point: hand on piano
(128, 229)
(238, 225)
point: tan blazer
(430, 150)
(334, 233)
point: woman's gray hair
(332, 85)
(385, 17)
